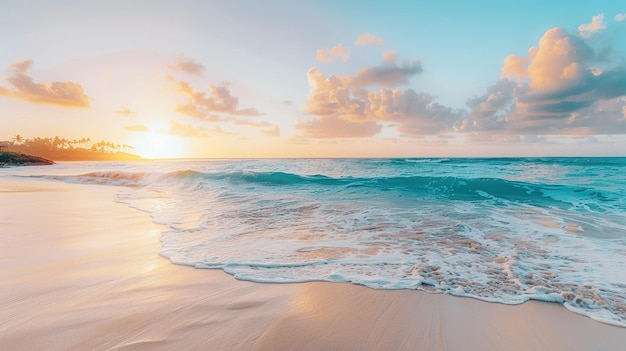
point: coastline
(86, 275)
(12, 159)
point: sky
(319, 78)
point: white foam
(481, 243)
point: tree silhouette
(59, 148)
(18, 139)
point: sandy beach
(81, 272)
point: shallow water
(502, 230)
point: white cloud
(220, 131)
(342, 110)
(596, 25)
(329, 55)
(368, 38)
(389, 74)
(125, 112)
(63, 94)
(218, 101)
(186, 130)
(188, 66)
(557, 89)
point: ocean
(504, 230)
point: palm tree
(101, 145)
(84, 142)
(56, 142)
(18, 139)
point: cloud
(489, 111)
(417, 113)
(329, 55)
(563, 87)
(388, 74)
(125, 112)
(515, 66)
(187, 131)
(245, 122)
(137, 128)
(620, 17)
(589, 29)
(218, 101)
(4, 91)
(21, 66)
(188, 66)
(488, 138)
(343, 110)
(367, 38)
(272, 132)
(190, 109)
(219, 130)
(63, 94)
(560, 61)
(334, 127)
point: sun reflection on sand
(154, 263)
(306, 302)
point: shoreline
(75, 279)
(16, 159)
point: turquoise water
(502, 230)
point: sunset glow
(160, 145)
(326, 79)
(312, 175)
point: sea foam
(499, 230)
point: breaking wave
(500, 230)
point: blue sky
(318, 78)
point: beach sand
(81, 272)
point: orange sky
(317, 79)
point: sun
(158, 145)
(155, 145)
